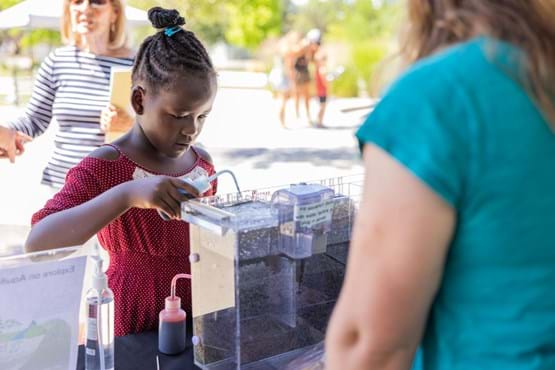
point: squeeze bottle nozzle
(202, 184)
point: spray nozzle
(202, 184)
(98, 265)
(173, 302)
(99, 281)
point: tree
(7, 3)
(316, 14)
(367, 27)
(25, 39)
(244, 23)
(251, 22)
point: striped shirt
(73, 87)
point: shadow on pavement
(263, 158)
(350, 128)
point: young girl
(117, 190)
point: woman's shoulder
(433, 91)
(438, 76)
(465, 61)
(62, 51)
(65, 49)
(124, 53)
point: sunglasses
(93, 3)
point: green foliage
(367, 30)
(251, 22)
(363, 26)
(346, 84)
(244, 23)
(316, 14)
(40, 36)
(8, 34)
(205, 18)
(363, 21)
(367, 56)
(27, 39)
(7, 3)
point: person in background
(12, 143)
(320, 73)
(301, 56)
(453, 244)
(282, 75)
(72, 85)
(116, 191)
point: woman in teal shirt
(453, 249)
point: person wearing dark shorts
(320, 72)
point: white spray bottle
(202, 184)
(99, 347)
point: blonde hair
(435, 24)
(118, 36)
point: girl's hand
(113, 118)
(164, 193)
(12, 143)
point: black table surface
(138, 352)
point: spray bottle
(173, 328)
(202, 184)
(99, 347)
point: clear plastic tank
(266, 272)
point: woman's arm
(38, 113)
(398, 249)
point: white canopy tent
(32, 14)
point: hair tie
(170, 31)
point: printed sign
(313, 214)
(39, 313)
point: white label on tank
(91, 329)
(90, 351)
(313, 214)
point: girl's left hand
(113, 118)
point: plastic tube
(99, 330)
(174, 282)
(217, 174)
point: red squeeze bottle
(172, 328)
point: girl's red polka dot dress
(145, 251)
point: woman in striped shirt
(72, 85)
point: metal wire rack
(349, 186)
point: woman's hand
(12, 143)
(164, 193)
(113, 118)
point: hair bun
(162, 18)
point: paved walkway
(242, 134)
